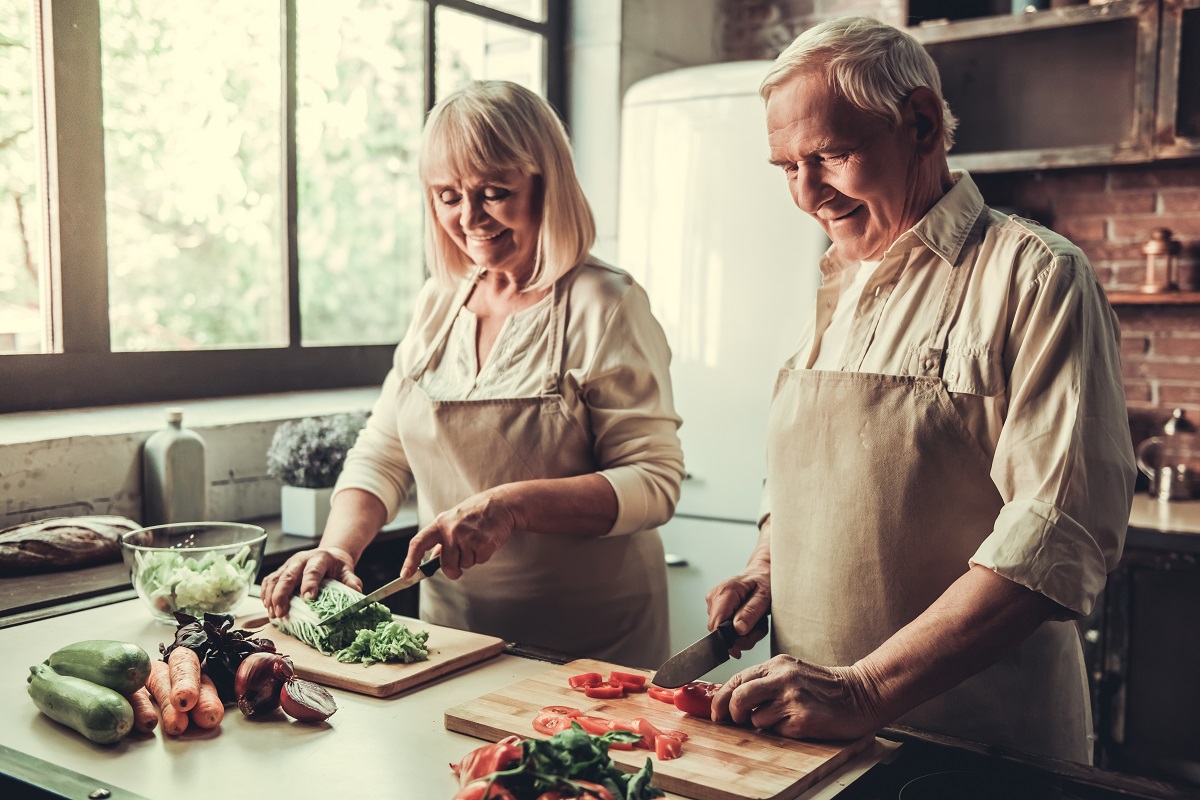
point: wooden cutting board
(719, 762)
(449, 650)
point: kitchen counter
(1164, 526)
(387, 748)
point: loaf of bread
(61, 543)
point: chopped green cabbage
(390, 641)
(351, 638)
(212, 583)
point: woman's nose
(472, 213)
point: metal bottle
(174, 486)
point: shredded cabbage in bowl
(170, 581)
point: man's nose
(810, 191)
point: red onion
(258, 683)
(306, 701)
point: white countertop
(1181, 516)
(387, 748)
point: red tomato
(578, 682)
(627, 678)
(665, 695)
(566, 711)
(594, 790)
(550, 723)
(488, 759)
(605, 691)
(696, 698)
(649, 733)
(667, 747)
(478, 790)
(596, 726)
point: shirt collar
(945, 228)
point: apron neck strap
(558, 332)
(460, 299)
(933, 355)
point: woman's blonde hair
(489, 127)
(870, 63)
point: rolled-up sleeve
(627, 391)
(1063, 462)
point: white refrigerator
(709, 228)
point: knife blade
(424, 571)
(701, 656)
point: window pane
(359, 109)
(529, 9)
(193, 168)
(471, 48)
(21, 217)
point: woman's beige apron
(879, 496)
(600, 597)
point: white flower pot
(304, 511)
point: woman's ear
(923, 117)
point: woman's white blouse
(615, 382)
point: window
(236, 206)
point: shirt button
(951, 376)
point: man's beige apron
(600, 597)
(879, 496)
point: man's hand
(799, 700)
(745, 598)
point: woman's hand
(469, 534)
(800, 700)
(306, 569)
(745, 598)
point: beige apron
(879, 496)
(599, 597)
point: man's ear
(922, 112)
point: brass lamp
(1161, 253)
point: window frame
(83, 371)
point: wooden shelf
(1158, 299)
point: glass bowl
(193, 567)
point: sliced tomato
(680, 735)
(488, 759)
(605, 691)
(566, 711)
(482, 790)
(550, 723)
(647, 730)
(627, 677)
(593, 790)
(667, 747)
(578, 682)
(696, 698)
(665, 695)
(596, 726)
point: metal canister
(1174, 483)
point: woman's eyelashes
(489, 194)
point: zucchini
(121, 666)
(96, 711)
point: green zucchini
(96, 711)
(121, 666)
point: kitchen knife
(424, 571)
(696, 659)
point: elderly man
(949, 461)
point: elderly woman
(529, 405)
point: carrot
(174, 721)
(185, 678)
(145, 716)
(209, 710)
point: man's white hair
(875, 66)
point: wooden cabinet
(1086, 85)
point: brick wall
(1108, 211)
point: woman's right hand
(306, 570)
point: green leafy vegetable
(220, 647)
(390, 641)
(194, 586)
(571, 756)
(369, 632)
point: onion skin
(257, 685)
(306, 701)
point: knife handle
(431, 566)
(728, 634)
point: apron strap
(933, 355)
(460, 299)
(558, 328)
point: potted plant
(307, 456)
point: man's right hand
(747, 599)
(306, 570)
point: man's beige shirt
(1033, 368)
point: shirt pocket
(973, 370)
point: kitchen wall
(1108, 211)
